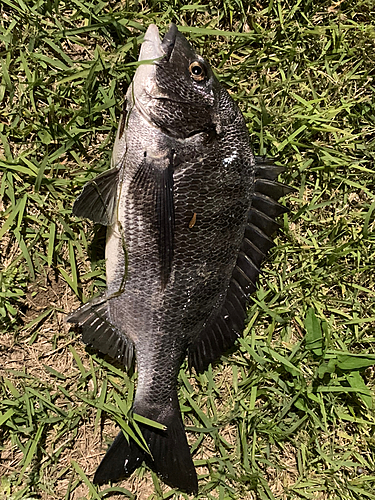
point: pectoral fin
(154, 183)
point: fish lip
(151, 48)
(169, 41)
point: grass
(290, 414)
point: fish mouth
(153, 48)
(169, 41)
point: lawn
(290, 413)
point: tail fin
(170, 459)
(121, 459)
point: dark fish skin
(190, 213)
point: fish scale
(190, 213)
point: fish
(190, 212)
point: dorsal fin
(97, 200)
(265, 168)
(227, 322)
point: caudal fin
(171, 458)
(121, 459)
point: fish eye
(197, 71)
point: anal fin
(100, 333)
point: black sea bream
(190, 213)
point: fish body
(189, 212)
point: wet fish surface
(190, 212)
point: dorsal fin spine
(220, 333)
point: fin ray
(265, 168)
(121, 460)
(98, 198)
(170, 456)
(227, 322)
(100, 333)
(155, 175)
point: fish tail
(170, 457)
(121, 459)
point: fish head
(174, 88)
